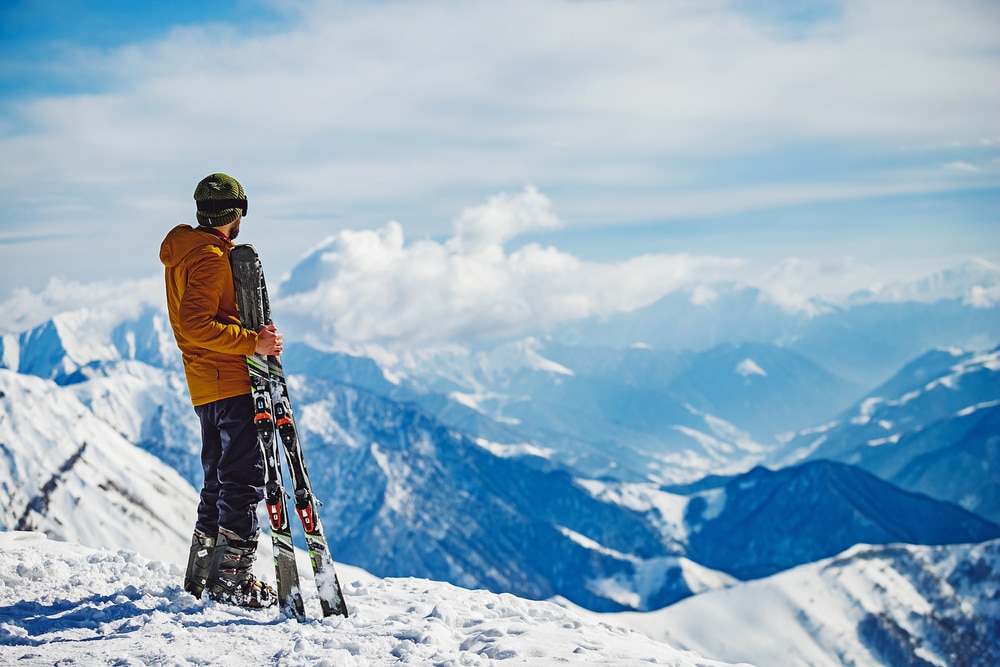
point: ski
(274, 417)
(248, 282)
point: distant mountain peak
(975, 282)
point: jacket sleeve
(207, 279)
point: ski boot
(231, 579)
(199, 563)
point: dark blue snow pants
(233, 465)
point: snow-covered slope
(933, 428)
(405, 495)
(63, 603)
(766, 390)
(766, 521)
(68, 473)
(869, 606)
(66, 345)
(414, 497)
(150, 407)
(634, 415)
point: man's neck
(221, 232)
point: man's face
(235, 231)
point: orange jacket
(201, 303)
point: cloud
(502, 218)
(411, 96)
(958, 165)
(372, 287)
(113, 300)
(805, 285)
(347, 114)
(983, 297)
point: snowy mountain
(413, 495)
(933, 428)
(593, 423)
(864, 339)
(766, 521)
(540, 466)
(976, 282)
(636, 414)
(68, 473)
(869, 606)
(64, 347)
(871, 342)
(64, 603)
(764, 389)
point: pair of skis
(274, 421)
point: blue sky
(861, 135)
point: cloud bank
(373, 287)
(365, 288)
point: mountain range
(613, 478)
(413, 495)
(933, 428)
(864, 338)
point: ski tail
(331, 595)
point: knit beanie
(220, 200)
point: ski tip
(241, 249)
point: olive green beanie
(220, 200)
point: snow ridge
(57, 598)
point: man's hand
(269, 340)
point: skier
(203, 315)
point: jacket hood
(182, 240)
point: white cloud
(704, 295)
(412, 95)
(959, 165)
(351, 114)
(802, 285)
(980, 296)
(501, 219)
(371, 286)
(749, 367)
(376, 287)
(114, 301)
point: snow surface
(59, 460)
(65, 603)
(940, 605)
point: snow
(520, 355)
(591, 545)
(717, 449)
(65, 603)
(666, 510)
(943, 598)
(965, 412)
(58, 460)
(514, 450)
(891, 440)
(397, 488)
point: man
(201, 302)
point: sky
(829, 145)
